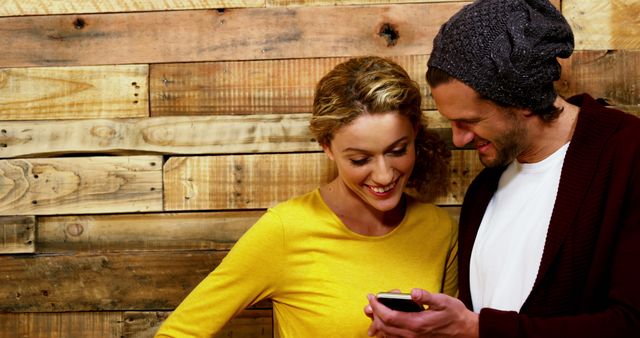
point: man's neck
(547, 137)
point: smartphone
(399, 302)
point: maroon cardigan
(588, 283)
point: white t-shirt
(508, 248)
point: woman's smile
(382, 191)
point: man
(549, 237)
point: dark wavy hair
(374, 85)
(436, 76)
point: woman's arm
(247, 274)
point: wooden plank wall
(140, 139)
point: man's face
(498, 133)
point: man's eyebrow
(465, 119)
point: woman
(317, 256)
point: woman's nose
(382, 172)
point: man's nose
(461, 135)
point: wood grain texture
(48, 7)
(251, 323)
(598, 24)
(252, 87)
(293, 3)
(110, 281)
(74, 92)
(62, 325)
(287, 86)
(358, 2)
(144, 232)
(141, 324)
(162, 135)
(613, 76)
(81, 185)
(149, 232)
(170, 135)
(208, 35)
(219, 79)
(260, 181)
(465, 166)
(242, 181)
(17, 234)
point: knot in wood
(79, 23)
(75, 229)
(389, 33)
(105, 132)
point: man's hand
(445, 317)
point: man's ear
(327, 150)
(525, 112)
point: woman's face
(375, 155)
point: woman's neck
(356, 214)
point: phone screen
(399, 302)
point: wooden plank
(74, 92)
(293, 3)
(62, 325)
(48, 7)
(207, 35)
(170, 135)
(465, 166)
(598, 25)
(17, 234)
(162, 135)
(80, 185)
(148, 232)
(250, 87)
(454, 212)
(143, 324)
(260, 181)
(611, 75)
(287, 86)
(358, 2)
(434, 121)
(161, 231)
(138, 232)
(109, 281)
(242, 181)
(254, 323)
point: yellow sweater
(318, 272)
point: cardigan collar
(579, 166)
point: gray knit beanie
(505, 50)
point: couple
(548, 233)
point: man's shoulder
(599, 124)
(597, 108)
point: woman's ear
(327, 150)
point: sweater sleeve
(247, 274)
(450, 282)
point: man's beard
(509, 145)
